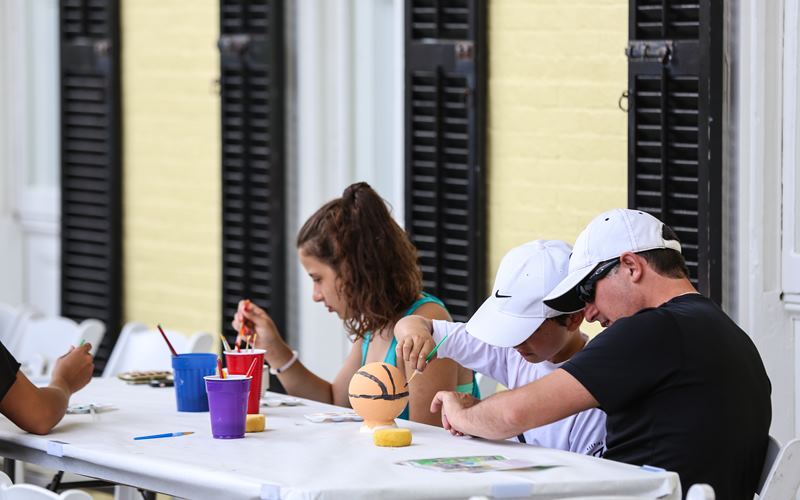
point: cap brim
(564, 297)
(498, 329)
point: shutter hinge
(653, 50)
(86, 54)
(233, 44)
(465, 51)
(250, 49)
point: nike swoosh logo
(497, 294)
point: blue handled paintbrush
(167, 435)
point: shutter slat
(91, 229)
(674, 143)
(253, 257)
(444, 149)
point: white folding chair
(43, 340)
(140, 348)
(8, 322)
(11, 491)
(700, 491)
(12, 320)
(780, 476)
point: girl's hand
(254, 325)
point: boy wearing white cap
(683, 386)
(515, 339)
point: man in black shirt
(38, 409)
(683, 386)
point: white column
(757, 118)
(790, 213)
(322, 161)
(31, 207)
(11, 290)
(348, 83)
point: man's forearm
(509, 413)
(492, 418)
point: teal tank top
(391, 354)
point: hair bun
(350, 193)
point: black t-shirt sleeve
(628, 359)
(8, 370)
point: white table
(295, 458)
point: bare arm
(38, 410)
(300, 381)
(509, 413)
(297, 379)
(414, 342)
(341, 383)
(439, 375)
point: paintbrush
(172, 349)
(225, 343)
(427, 359)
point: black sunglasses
(585, 289)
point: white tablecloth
(295, 458)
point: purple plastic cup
(227, 405)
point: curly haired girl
(364, 269)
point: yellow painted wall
(171, 183)
(557, 140)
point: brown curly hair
(375, 262)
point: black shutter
(251, 82)
(444, 147)
(675, 126)
(91, 205)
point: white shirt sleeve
(470, 352)
(588, 433)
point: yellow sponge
(255, 423)
(392, 437)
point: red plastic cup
(238, 363)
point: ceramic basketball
(378, 393)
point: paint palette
(333, 416)
(79, 409)
(144, 376)
(272, 402)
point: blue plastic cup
(190, 387)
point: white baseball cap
(609, 235)
(515, 309)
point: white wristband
(285, 367)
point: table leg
(8, 468)
(56, 482)
(148, 495)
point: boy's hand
(414, 341)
